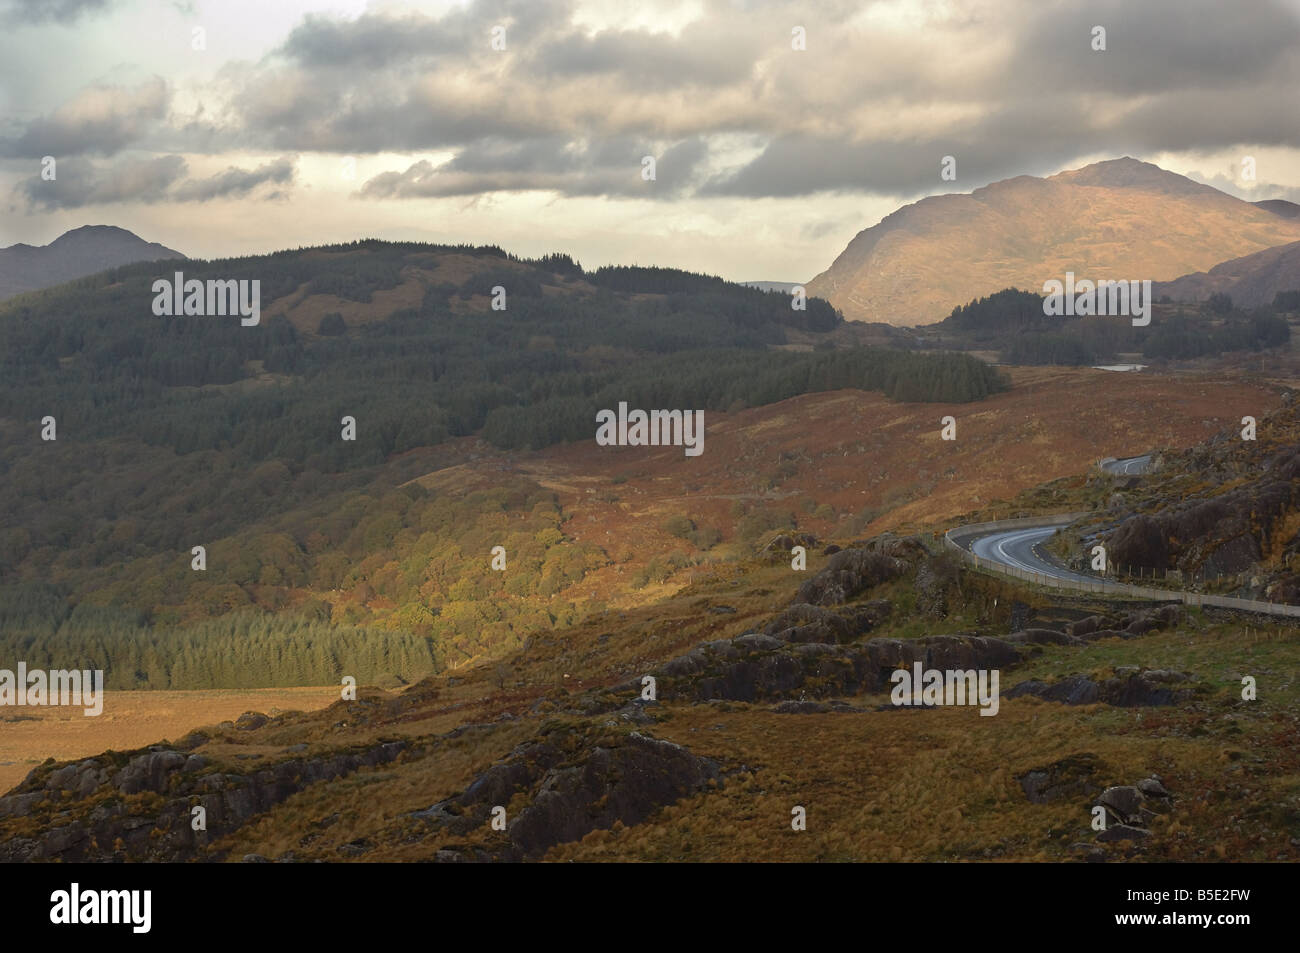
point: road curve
(1019, 549)
(1128, 466)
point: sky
(777, 130)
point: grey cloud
(98, 120)
(370, 41)
(802, 165)
(608, 168)
(1157, 46)
(32, 12)
(1006, 86)
(236, 182)
(699, 56)
(80, 182)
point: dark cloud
(609, 168)
(372, 41)
(872, 106)
(79, 182)
(99, 120)
(652, 60)
(802, 165)
(236, 182)
(1012, 88)
(33, 12)
(1157, 46)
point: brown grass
(132, 720)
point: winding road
(1015, 547)
(1018, 549)
(1128, 466)
(1021, 548)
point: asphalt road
(1020, 549)
(1129, 466)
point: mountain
(1280, 207)
(82, 251)
(1119, 219)
(1251, 281)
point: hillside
(520, 688)
(82, 251)
(323, 551)
(1119, 219)
(748, 664)
(1251, 280)
(1011, 325)
(1223, 515)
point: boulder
(1068, 778)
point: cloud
(236, 182)
(1232, 184)
(98, 120)
(880, 95)
(606, 168)
(34, 12)
(80, 182)
(884, 90)
(371, 41)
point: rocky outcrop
(1128, 688)
(853, 571)
(92, 820)
(616, 778)
(1066, 779)
(1214, 533)
(807, 623)
(760, 667)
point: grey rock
(1152, 787)
(250, 720)
(1124, 802)
(1121, 832)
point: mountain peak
(1117, 218)
(74, 254)
(94, 232)
(1129, 173)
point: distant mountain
(1280, 207)
(82, 251)
(1250, 281)
(786, 286)
(1119, 219)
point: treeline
(1009, 309)
(1013, 322)
(248, 649)
(1182, 338)
(403, 561)
(731, 380)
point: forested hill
(403, 338)
(172, 431)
